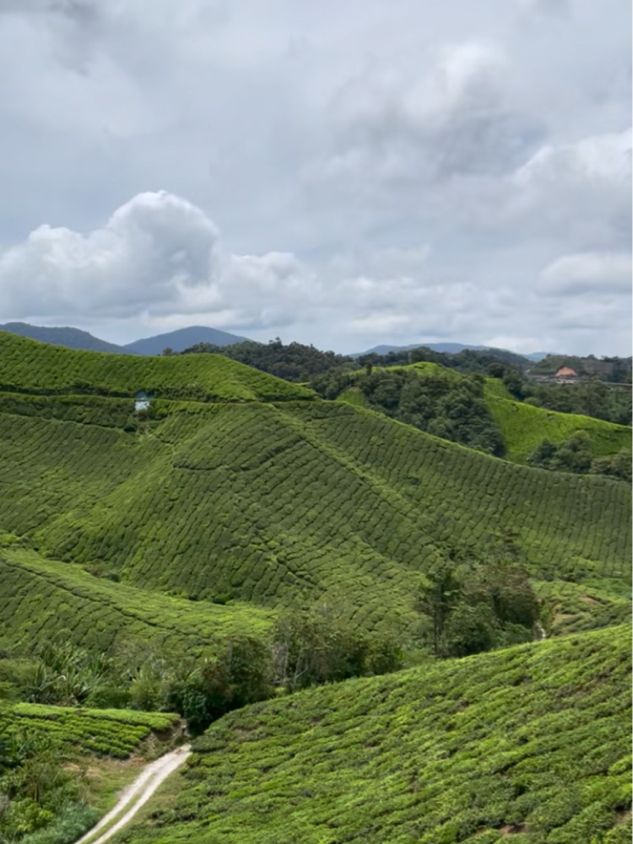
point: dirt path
(136, 795)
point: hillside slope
(26, 365)
(43, 599)
(289, 502)
(524, 426)
(181, 339)
(528, 744)
(72, 338)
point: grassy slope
(290, 502)
(41, 597)
(530, 743)
(28, 365)
(103, 749)
(524, 426)
(109, 732)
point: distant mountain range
(450, 348)
(446, 348)
(74, 338)
(183, 338)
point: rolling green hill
(237, 496)
(524, 426)
(26, 365)
(290, 502)
(43, 599)
(529, 744)
(273, 503)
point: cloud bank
(342, 176)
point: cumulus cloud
(157, 254)
(395, 172)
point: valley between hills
(368, 632)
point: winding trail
(136, 795)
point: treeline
(466, 361)
(471, 605)
(434, 401)
(293, 362)
(590, 398)
(574, 455)
(307, 647)
(614, 369)
(466, 605)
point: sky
(339, 173)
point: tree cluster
(294, 361)
(471, 606)
(436, 402)
(574, 455)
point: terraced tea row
(288, 503)
(108, 732)
(41, 600)
(530, 743)
(524, 427)
(26, 365)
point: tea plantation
(108, 732)
(271, 503)
(157, 554)
(44, 600)
(29, 366)
(284, 503)
(524, 427)
(528, 744)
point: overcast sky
(343, 173)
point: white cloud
(400, 168)
(157, 254)
(587, 272)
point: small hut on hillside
(565, 373)
(142, 402)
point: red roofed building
(566, 373)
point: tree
(437, 598)
(167, 351)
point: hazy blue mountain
(182, 339)
(72, 338)
(449, 348)
(446, 348)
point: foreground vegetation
(242, 539)
(529, 742)
(57, 768)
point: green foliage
(427, 396)
(270, 504)
(524, 426)
(574, 455)
(43, 601)
(294, 362)
(29, 366)
(43, 751)
(528, 743)
(322, 645)
(614, 466)
(474, 606)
